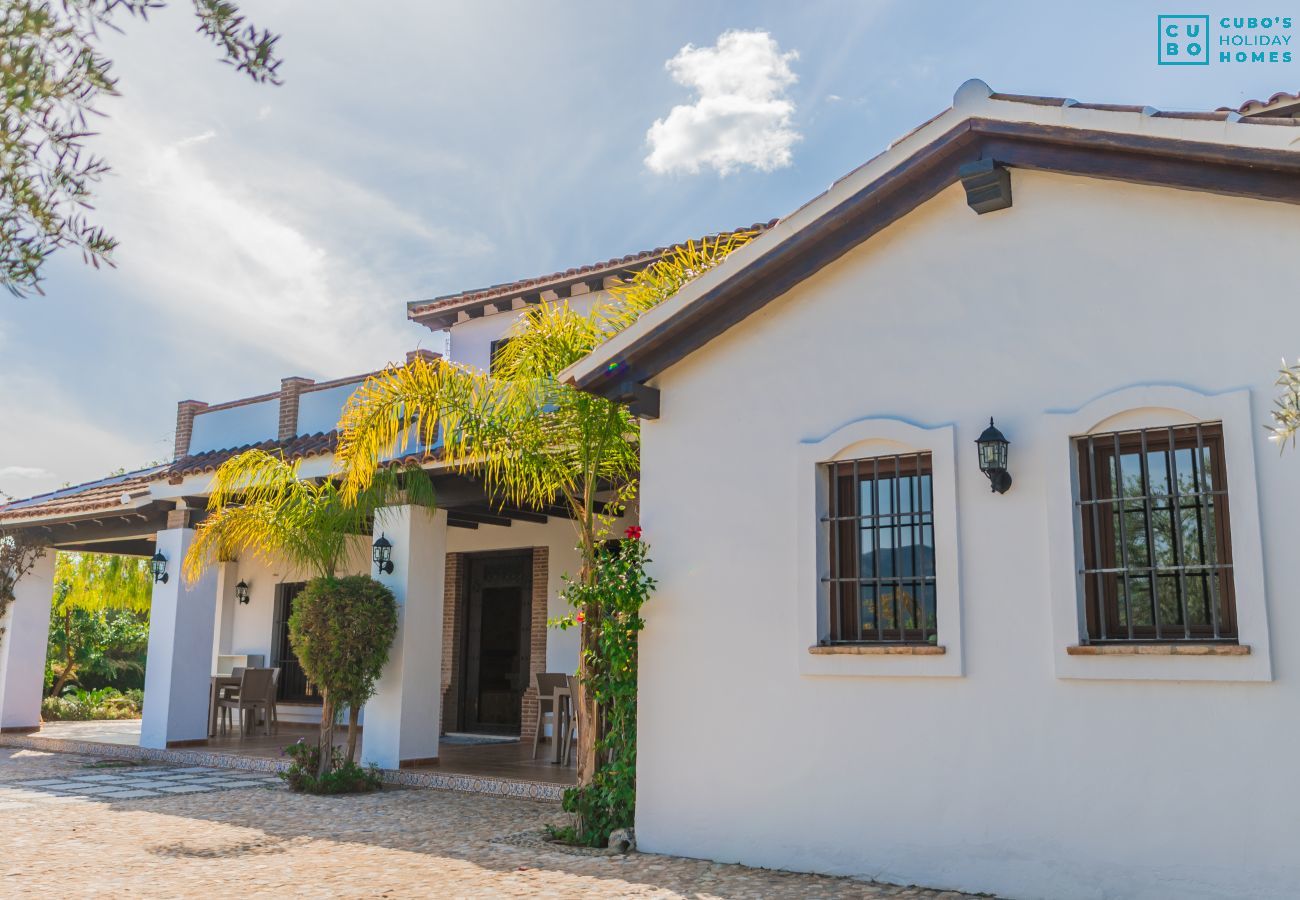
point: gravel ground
(399, 843)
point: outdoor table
(214, 691)
(563, 700)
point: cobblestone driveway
(263, 840)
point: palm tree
(531, 439)
(260, 504)
(95, 583)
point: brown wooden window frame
(847, 525)
(1124, 587)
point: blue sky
(421, 148)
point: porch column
(224, 627)
(402, 720)
(179, 667)
(22, 647)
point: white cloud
(286, 260)
(742, 117)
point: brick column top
(290, 388)
(185, 411)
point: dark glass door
(294, 686)
(496, 642)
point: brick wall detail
(537, 642)
(290, 389)
(185, 411)
(453, 625)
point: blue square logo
(1184, 40)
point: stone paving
(131, 783)
(262, 839)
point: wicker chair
(256, 687)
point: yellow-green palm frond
(100, 581)
(260, 504)
(532, 440)
(404, 407)
(665, 277)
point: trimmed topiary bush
(341, 630)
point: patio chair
(254, 696)
(271, 696)
(546, 683)
(228, 693)
(570, 721)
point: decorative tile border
(471, 784)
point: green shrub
(78, 704)
(344, 777)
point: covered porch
(475, 583)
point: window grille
(880, 529)
(1153, 517)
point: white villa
(476, 582)
(860, 660)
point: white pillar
(224, 628)
(403, 719)
(23, 645)
(179, 668)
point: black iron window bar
(870, 602)
(1173, 545)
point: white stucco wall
(470, 342)
(1014, 776)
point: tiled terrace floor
(396, 843)
(509, 760)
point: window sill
(1158, 650)
(877, 650)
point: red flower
(633, 532)
(580, 618)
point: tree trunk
(68, 654)
(586, 701)
(326, 735)
(354, 715)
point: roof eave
(833, 225)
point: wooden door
(496, 653)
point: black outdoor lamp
(241, 592)
(158, 566)
(382, 551)
(993, 446)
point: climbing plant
(619, 588)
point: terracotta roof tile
(102, 494)
(300, 447)
(303, 446)
(1255, 105)
(527, 285)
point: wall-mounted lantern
(993, 458)
(382, 551)
(241, 592)
(158, 566)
